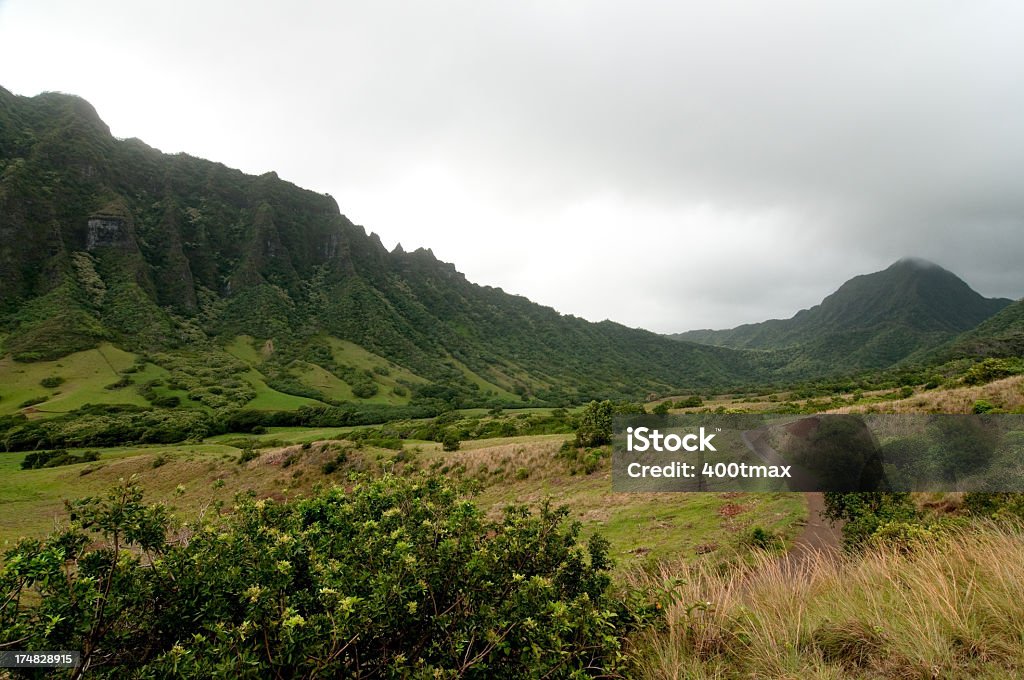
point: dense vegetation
(154, 299)
(399, 577)
(174, 255)
(871, 322)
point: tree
(595, 424)
(450, 442)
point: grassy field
(485, 385)
(642, 528)
(386, 375)
(269, 399)
(951, 608)
(84, 377)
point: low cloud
(665, 165)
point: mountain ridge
(111, 240)
(872, 321)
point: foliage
(398, 578)
(594, 427)
(56, 458)
(763, 539)
(995, 505)
(450, 442)
(195, 253)
(991, 369)
(865, 513)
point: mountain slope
(999, 336)
(173, 258)
(870, 322)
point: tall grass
(1006, 394)
(950, 608)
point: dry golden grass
(1006, 394)
(953, 608)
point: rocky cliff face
(110, 239)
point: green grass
(484, 384)
(269, 399)
(349, 353)
(331, 386)
(242, 348)
(85, 374)
(641, 527)
(32, 501)
(287, 435)
(346, 352)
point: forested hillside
(111, 240)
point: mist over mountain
(872, 321)
(111, 241)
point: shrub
(56, 458)
(991, 369)
(397, 578)
(123, 382)
(33, 401)
(763, 539)
(51, 381)
(247, 455)
(982, 406)
(364, 389)
(865, 513)
(450, 442)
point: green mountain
(871, 322)
(198, 285)
(999, 336)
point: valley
(217, 386)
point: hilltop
(871, 322)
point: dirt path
(818, 535)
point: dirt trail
(819, 535)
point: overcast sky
(667, 165)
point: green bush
(398, 578)
(983, 406)
(865, 513)
(247, 455)
(51, 381)
(56, 458)
(763, 539)
(991, 369)
(450, 442)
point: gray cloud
(666, 165)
